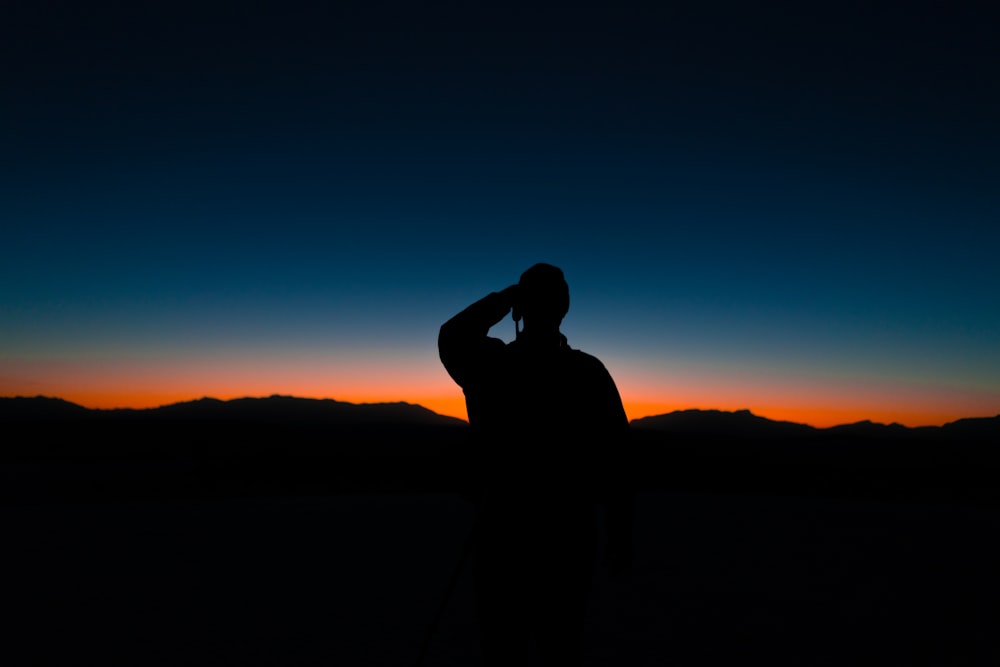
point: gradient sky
(792, 208)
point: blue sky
(786, 208)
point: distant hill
(722, 423)
(974, 427)
(743, 423)
(273, 428)
(269, 410)
(40, 409)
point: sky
(790, 208)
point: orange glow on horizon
(124, 384)
(454, 406)
(813, 416)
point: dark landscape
(290, 531)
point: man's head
(543, 295)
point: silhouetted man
(550, 434)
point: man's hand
(510, 294)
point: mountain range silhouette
(288, 445)
(272, 409)
(289, 409)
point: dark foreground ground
(354, 578)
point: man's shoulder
(584, 359)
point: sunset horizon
(790, 210)
(455, 407)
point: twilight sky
(792, 208)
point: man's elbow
(446, 337)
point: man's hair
(543, 290)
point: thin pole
(452, 583)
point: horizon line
(464, 418)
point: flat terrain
(355, 578)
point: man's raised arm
(462, 338)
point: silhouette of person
(550, 437)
